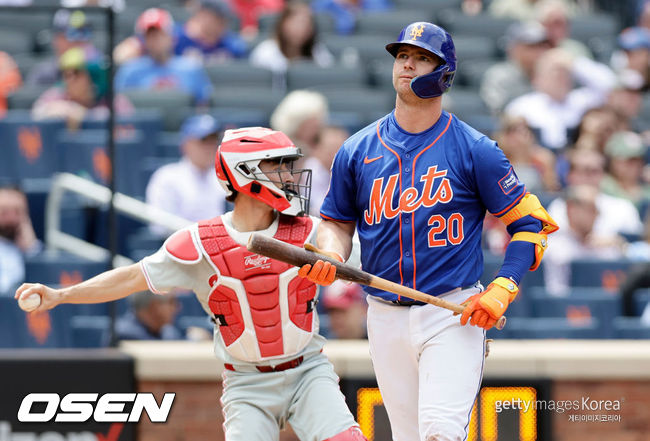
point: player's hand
(322, 273)
(49, 297)
(485, 308)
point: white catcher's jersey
(251, 336)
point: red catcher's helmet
(237, 166)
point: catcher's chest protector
(264, 310)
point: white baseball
(29, 303)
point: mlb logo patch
(509, 181)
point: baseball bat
(293, 255)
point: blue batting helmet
(437, 41)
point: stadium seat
(25, 20)
(25, 97)
(366, 49)
(19, 329)
(85, 154)
(144, 239)
(175, 105)
(598, 273)
(464, 102)
(234, 117)
(470, 48)
(582, 305)
(15, 41)
(245, 97)
(305, 75)
(586, 26)
(148, 122)
(61, 268)
(169, 145)
(390, 22)
(26, 62)
(432, 5)
(370, 103)
(351, 121)
(630, 328)
(641, 301)
(37, 191)
(29, 147)
(89, 331)
(469, 73)
(482, 25)
(201, 321)
(239, 73)
(190, 305)
(549, 328)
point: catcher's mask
(238, 169)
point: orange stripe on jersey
(399, 162)
(505, 210)
(413, 185)
(335, 220)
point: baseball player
(416, 184)
(267, 330)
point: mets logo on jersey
(380, 203)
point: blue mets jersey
(419, 199)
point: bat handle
(501, 323)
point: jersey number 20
(453, 226)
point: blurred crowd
(573, 116)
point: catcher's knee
(351, 434)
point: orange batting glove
(322, 273)
(485, 308)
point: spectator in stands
(504, 81)
(554, 16)
(644, 14)
(577, 239)
(17, 238)
(625, 152)
(518, 9)
(82, 93)
(159, 68)
(189, 187)
(627, 100)
(346, 309)
(533, 164)
(10, 79)
(301, 115)
(346, 12)
(151, 318)
(555, 107)
(207, 36)
(70, 29)
(634, 53)
(616, 216)
(249, 11)
(294, 39)
(596, 126)
(638, 276)
(319, 162)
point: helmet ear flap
(222, 173)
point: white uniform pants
(429, 368)
(256, 405)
